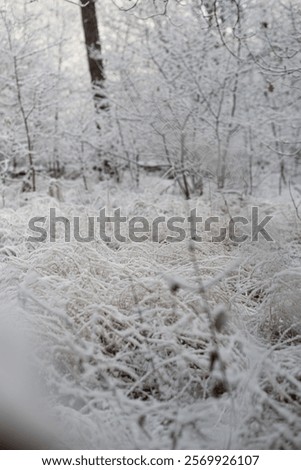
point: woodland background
(180, 105)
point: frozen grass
(130, 342)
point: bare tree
(93, 46)
(25, 113)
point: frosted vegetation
(159, 345)
(152, 345)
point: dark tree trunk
(93, 46)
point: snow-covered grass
(126, 339)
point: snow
(118, 336)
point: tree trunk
(93, 46)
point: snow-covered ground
(125, 345)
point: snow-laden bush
(282, 309)
(156, 345)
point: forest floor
(153, 344)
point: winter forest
(150, 224)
